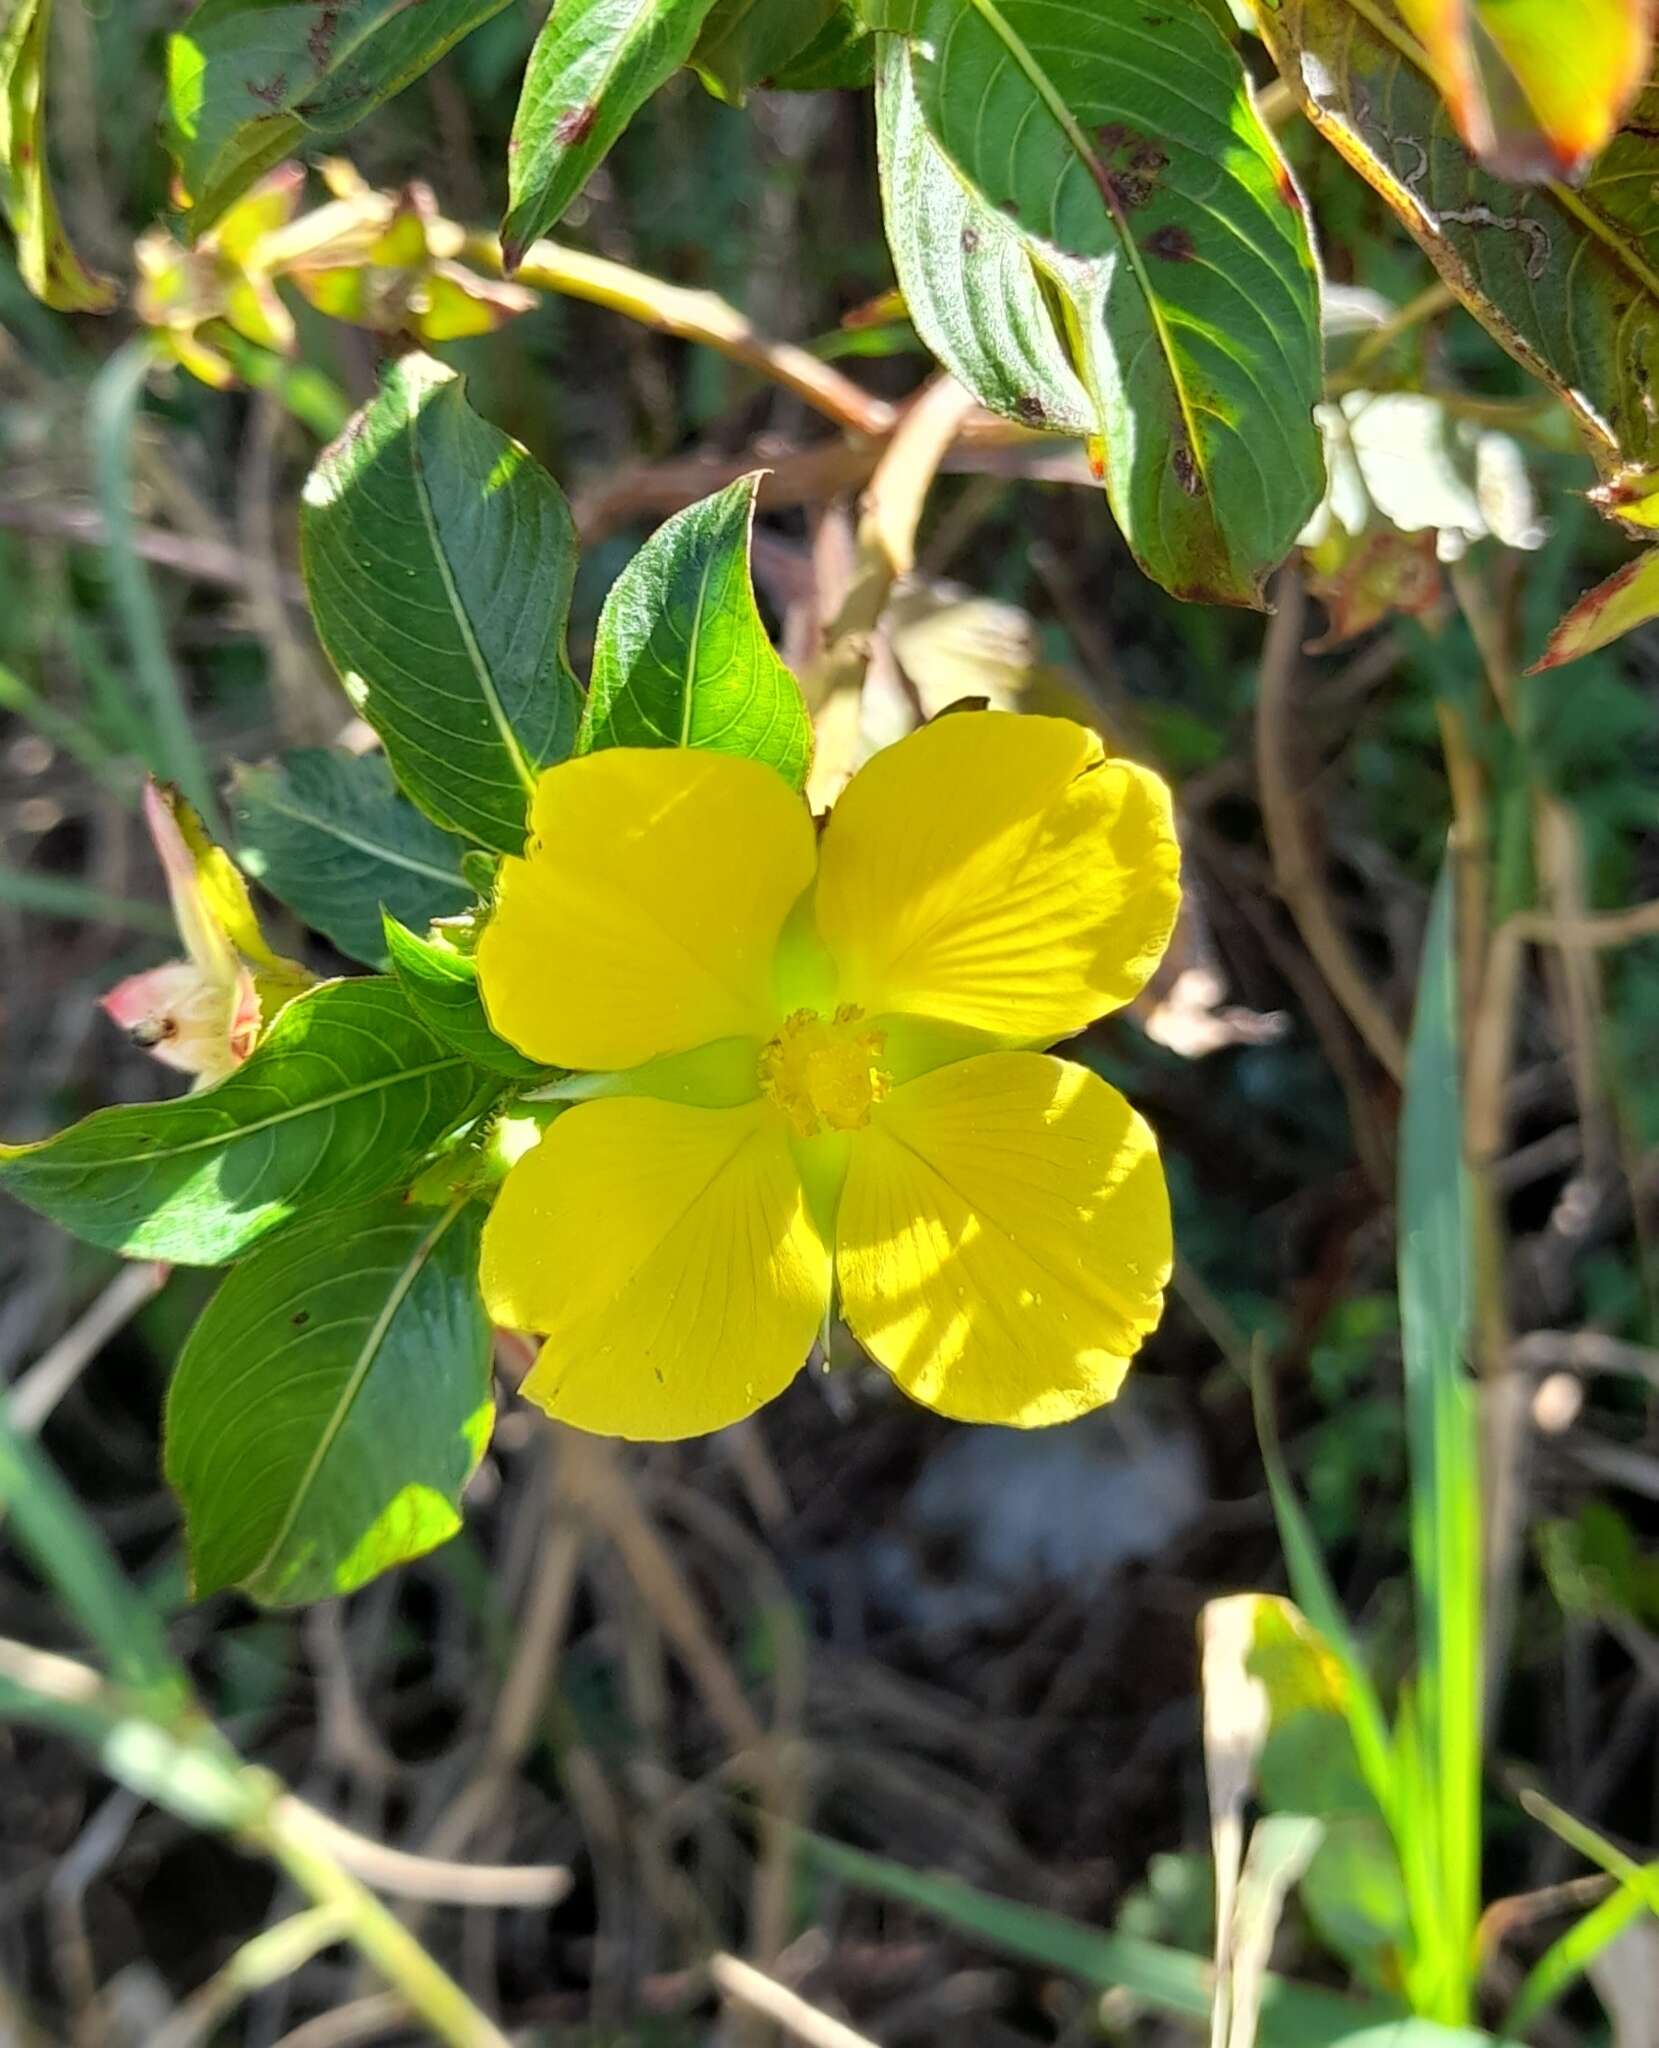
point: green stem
(430, 1993)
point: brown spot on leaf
(970, 240)
(300, 1318)
(1115, 135)
(1149, 158)
(1172, 243)
(320, 41)
(1287, 187)
(575, 124)
(273, 93)
(1187, 473)
(1011, 207)
(1030, 409)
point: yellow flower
(809, 1057)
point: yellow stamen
(825, 1072)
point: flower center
(824, 1072)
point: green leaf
(1563, 279)
(342, 1098)
(48, 265)
(330, 835)
(743, 42)
(969, 284)
(1292, 2015)
(1436, 1314)
(439, 557)
(332, 1402)
(682, 658)
(1131, 165)
(595, 64)
(841, 56)
(442, 987)
(250, 81)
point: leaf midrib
(991, 14)
(452, 595)
(241, 1131)
(361, 1367)
(388, 854)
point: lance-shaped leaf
(342, 1099)
(248, 81)
(1563, 279)
(970, 286)
(594, 66)
(332, 1402)
(1627, 599)
(1536, 88)
(438, 557)
(329, 835)
(1130, 161)
(49, 266)
(682, 658)
(441, 983)
(744, 42)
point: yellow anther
(824, 1073)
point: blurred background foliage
(970, 1653)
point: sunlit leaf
(438, 558)
(49, 266)
(1562, 279)
(345, 1095)
(330, 835)
(595, 64)
(1129, 162)
(1537, 88)
(969, 283)
(682, 658)
(249, 81)
(441, 983)
(332, 1402)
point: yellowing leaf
(49, 266)
(1537, 88)
(1563, 279)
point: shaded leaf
(1536, 89)
(1627, 599)
(46, 262)
(344, 1096)
(841, 55)
(442, 986)
(330, 835)
(682, 658)
(969, 283)
(1562, 279)
(438, 558)
(332, 1402)
(1131, 164)
(248, 81)
(595, 64)
(744, 42)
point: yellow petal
(667, 1255)
(1003, 1239)
(644, 919)
(999, 872)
